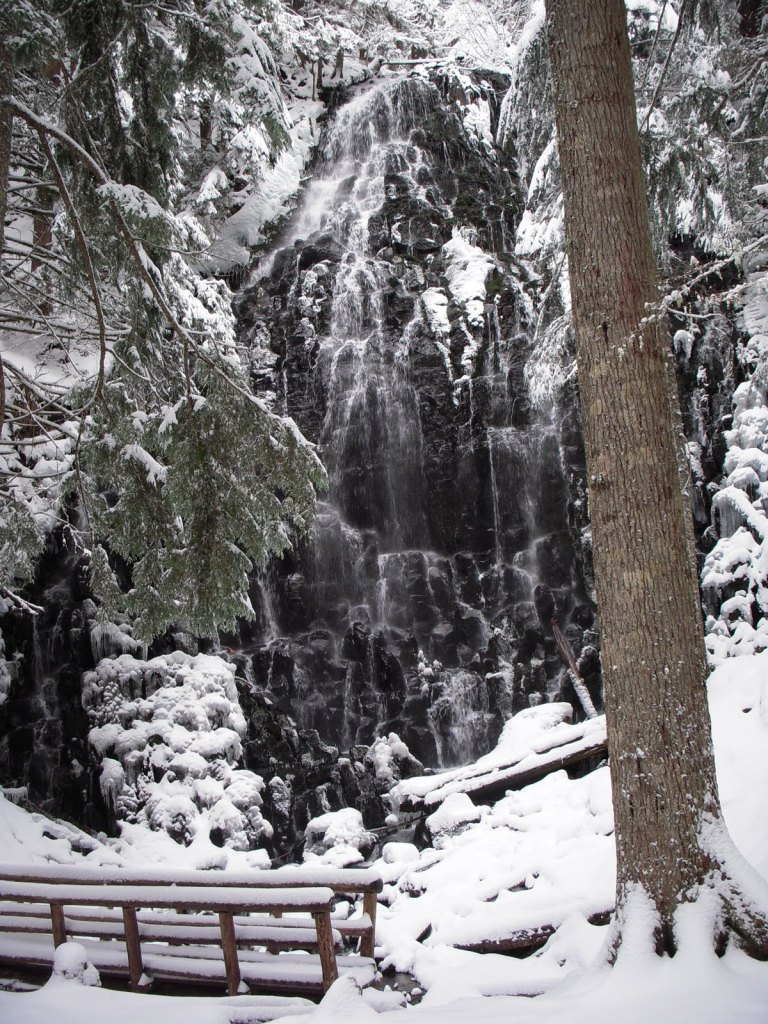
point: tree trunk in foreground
(6, 126)
(662, 766)
(6, 130)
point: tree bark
(6, 130)
(654, 666)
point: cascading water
(396, 335)
(43, 726)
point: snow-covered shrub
(70, 961)
(338, 838)
(168, 733)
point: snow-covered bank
(698, 988)
(544, 853)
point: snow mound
(168, 733)
(338, 838)
(452, 817)
(70, 961)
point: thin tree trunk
(42, 235)
(206, 125)
(654, 667)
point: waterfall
(402, 357)
(461, 719)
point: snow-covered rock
(338, 838)
(451, 818)
(70, 962)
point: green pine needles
(126, 405)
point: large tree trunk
(654, 668)
(6, 131)
(6, 126)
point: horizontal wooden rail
(189, 924)
(340, 880)
(214, 898)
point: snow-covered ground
(542, 854)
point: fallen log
(527, 939)
(523, 773)
(533, 765)
(579, 686)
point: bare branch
(86, 254)
(663, 75)
(25, 606)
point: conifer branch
(652, 54)
(135, 247)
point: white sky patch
(657, 13)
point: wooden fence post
(368, 941)
(58, 925)
(229, 948)
(133, 947)
(326, 948)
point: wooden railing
(185, 924)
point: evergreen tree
(177, 468)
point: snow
(467, 269)
(435, 303)
(472, 32)
(540, 855)
(543, 854)
(385, 753)
(525, 739)
(280, 182)
(393, 853)
(336, 838)
(155, 472)
(277, 186)
(66, 1002)
(168, 732)
(170, 896)
(451, 818)
(657, 13)
(736, 569)
(71, 962)
(738, 697)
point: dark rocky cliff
(394, 323)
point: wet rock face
(412, 608)
(42, 724)
(308, 777)
(394, 325)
